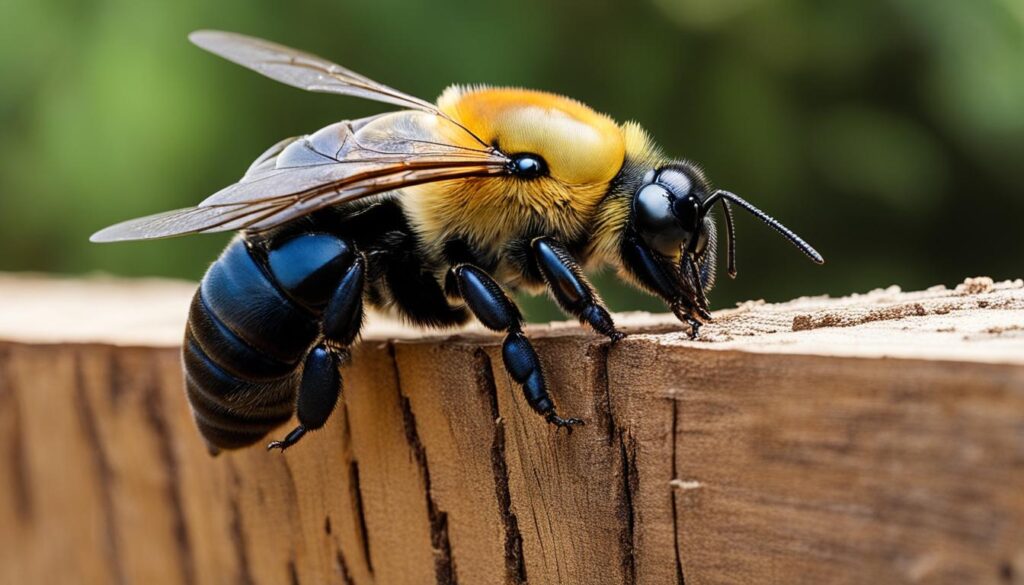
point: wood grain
(874, 438)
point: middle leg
(489, 303)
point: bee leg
(318, 393)
(694, 327)
(570, 287)
(497, 312)
(685, 313)
(321, 379)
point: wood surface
(877, 438)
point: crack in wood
(342, 567)
(153, 407)
(235, 529)
(1006, 572)
(515, 563)
(293, 572)
(680, 578)
(104, 471)
(627, 506)
(444, 561)
(599, 355)
(18, 468)
(359, 511)
(293, 488)
(346, 428)
(293, 501)
(355, 496)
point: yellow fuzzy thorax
(584, 151)
(581, 146)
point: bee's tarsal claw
(292, 438)
(566, 423)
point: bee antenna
(694, 274)
(730, 240)
(727, 197)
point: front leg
(497, 312)
(570, 288)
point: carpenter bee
(435, 212)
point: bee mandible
(436, 212)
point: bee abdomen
(230, 411)
(232, 352)
(243, 346)
(242, 297)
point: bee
(436, 212)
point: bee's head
(668, 212)
(669, 245)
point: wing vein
(339, 164)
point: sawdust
(977, 320)
(976, 286)
(850, 318)
(936, 300)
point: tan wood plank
(872, 438)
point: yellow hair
(611, 217)
(584, 151)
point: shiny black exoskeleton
(275, 316)
(267, 332)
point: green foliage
(889, 133)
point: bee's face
(669, 243)
(667, 211)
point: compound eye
(653, 208)
(656, 222)
(687, 211)
(528, 166)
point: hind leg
(321, 379)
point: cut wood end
(978, 320)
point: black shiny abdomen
(249, 328)
(270, 302)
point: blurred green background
(889, 133)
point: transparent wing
(306, 71)
(343, 162)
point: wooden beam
(872, 438)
